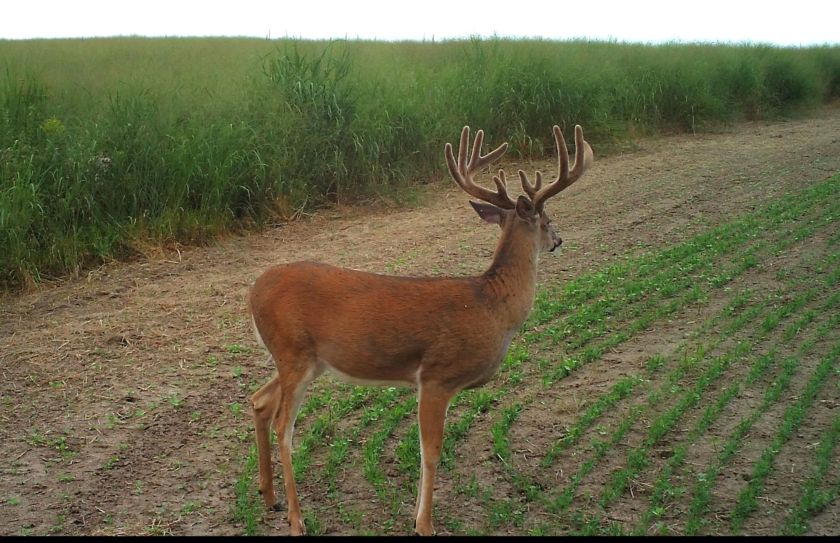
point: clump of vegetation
(107, 145)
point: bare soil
(124, 392)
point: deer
(441, 335)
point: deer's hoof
(301, 529)
(426, 531)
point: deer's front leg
(433, 402)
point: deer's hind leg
(265, 403)
(293, 383)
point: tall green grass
(110, 144)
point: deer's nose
(557, 244)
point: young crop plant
(500, 430)
(792, 418)
(619, 391)
(565, 498)
(637, 458)
(702, 491)
(813, 499)
(247, 508)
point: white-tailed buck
(439, 334)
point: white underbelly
(352, 379)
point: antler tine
(475, 156)
(463, 169)
(565, 176)
(501, 182)
(462, 148)
(582, 160)
(530, 189)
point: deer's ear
(525, 208)
(488, 212)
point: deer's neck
(510, 281)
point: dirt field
(124, 397)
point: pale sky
(787, 23)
